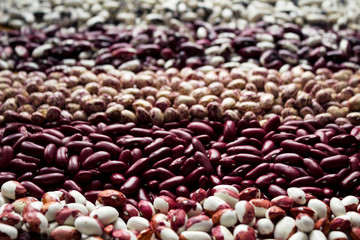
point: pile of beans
(223, 214)
(39, 14)
(180, 157)
(160, 97)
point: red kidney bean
(302, 181)
(75, 137)
(241, 170)
(287, 128)
(7, 153)
(255, 143)
(268, 136)
(198, 146)
(55, 133)
(153, 185)
(315, 191)
(343, 173)
(11, 139)
(125, 156)
(6, 176)
(301, 132)
(248, 158)
(32, 149)
(18, 143)
(302, 171)
(354, 163)
(189, 151)
(313, 167)
(257, 171)
(193, 176)
(214, 156)
(189, 165)
(50, 153)
(318, 154)
(115, 129)
(26, 158)
(92, 195)
(136, 154)
(33, 189)
(265, 180)
(137, 167)
(159, 154)
(229, 131)
(279, 137)
(112, 166)
(163, 163)
(327, 149)
(69, 130)
(28, 176)
(244, 149)
(161, 134)
(93, 185)
(239, 141)
(220, 146)
(182, 135)
(228, 163)
(83, 176)
(175, 165)
(215, 180)
(168, 193)
(49, 179)
(77, 146)
(73, 166)
(275, 191)
(204, 161)
(335, 162)
(248, 183)
(327, 180)
(177, 151)
(49, 170)
(307, 126)
(95, 159)
(164, 174)
(171, 183)
(201, 128)
(257, 133)
(109, 147)
(288, 158)
(173, 141)
(287, 171)
(134, 142)
(182, 191)
(232, 180)
(61, 157)
(97, 137)
(45, 138)
(20, 166)
(86, 129)
(323, 138)
(149, 174)
(71, 185)
(267, 147)
(117, 178)
(282, 182)
(338, 130)
(295, 147)
(142, 195)
(272, 123)
(350, 181)
(141, 132)
(343, 140)
(131, 185)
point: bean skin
(131, 185)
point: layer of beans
(160, 97)
(180, 157)
(76, 13)
(223, 214)
(193, 45)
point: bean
(231, 180)
(313, 167)
(115, 129)
(275, 190)
(32, 149)
(117, 178)
(204, 161)
(318, 154)
(244, 149)
(175, 165)
(350, 181)
(112, 166)
(33, 189)
(315, 191)
(49, 179)
(214, 156)
(92, 195)
(287, 171)
(201, 128)
(97, 137)
(257, 171)
(7, 177)
(248, 158)
(334, 162)
(182, 135)
(327, 180)
(173, 141)
(125, 156)
(257, 133)
(71, 185)
(131, 185)
(83, 176)
(343, 140)
(93, 160)
(267, 147)
(354, 164)
(164, 174)
(141, 132)
(7, 154)
(193, 176)
(229, 131)
(44, 139)
(198, 146)
(190, 164)
(241, 170)
(20, 166)
(239, 141)
(163, 163)
(159, 154)
(327, 149)
(266, 179)
(295, 147)
(272, 124)
(171, 183)
(137, 167)
(288, 158)
(61, 158)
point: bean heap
(179, 119)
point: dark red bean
(142, 195)
(215, 180)
(343, 140)
(32, 149)
(131, 185)
(163, 163)
(248, 159)
(164, 174)
(313, 167)
(335, 162)
(141, 132)
(11, 139)
(232, 180)
(255, 143)
(177, 151)
(266, 180)
(302, 181)
(112, 166)
(182, 191)
(28, 176)
(49, 170)
(95, 159)
(241, 170)
(318, 154)
(7, 176)
(302, 171)
(109, 147)
(248, 183)
(71, 185)
(171, 183)
(50, 153)
(288, 158)
(198, 146)
(257, 171)
(83, 176)
(157, 144)
(18, 143)
(7, 154)
(173, 141)
(20, 166)
(238, 142)
(182, 135)
(69, 130)
(257, 133)
(214, 156)
(354, 163)
(168, 193)
(350, 181)
(268, 136)
(117, 178)
(204, 161)
(136, 154)
(327, 149)
(115, 129)
(61, 158)
(27, 158)
(97, 137)
(125, 156)
(201, 128)
(160, 154)
(328, 193)
(272, 123)
(267, 147)
(279, 137)
(175, 166)
(328, 180)
(315, 191)
(161, 134)
(287, 171)
(244, 149)
(295, 147)
(153, 185)
(281, 182)
(78, 146)
(307, 126)
(55, 133)
(44, 139)
(323, 138)
(149, 174)
(220, 146)
(49, 179)
(275, 191)
(189, 151)
(137, 167)
(301, 133)
(270, 157)
(134, 142)
(92, 195)
(32, 189)
(73, 166)
(193, 176)
(228, 163)
(229, 131)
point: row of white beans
(226, 214)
